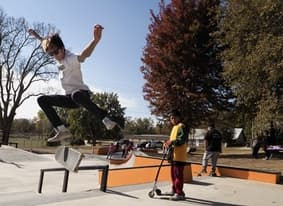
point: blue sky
(115, 64)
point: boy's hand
(167, 144)
(35, 34)
(97, 32)
(31, 32)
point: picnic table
(278, 148)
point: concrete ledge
(100, 150)
(242, 173)
(145, 168)
(144, 171)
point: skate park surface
(20, 172)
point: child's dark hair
(211, 124)
(56, 41)
(175, 113)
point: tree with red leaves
(180, 61)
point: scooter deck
(69, 158)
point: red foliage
(179, 61)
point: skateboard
(69, 158)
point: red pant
(177, 176)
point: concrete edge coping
(224, 166)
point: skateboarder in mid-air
(77, 92)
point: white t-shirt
(70, 73)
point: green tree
(22, 64)
(139, 126)
(85, 126)
(42, 124)
(22, 126)
(181, 65)
(251, 32)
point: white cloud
(135, 107)
(30, 107)
(124, 101)
(128, 102)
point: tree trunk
(93, 137)
(6, 129)
(6, 135)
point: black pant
(75, 100)
(255, 150)
(267, 152)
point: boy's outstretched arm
(35, 34)
(90, 47)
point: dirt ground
(242, 157)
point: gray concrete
(20, 174)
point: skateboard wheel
(151, 194)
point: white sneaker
(60, 135)
(177, 197)
(169, 193)
(109, 124)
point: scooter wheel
(151, 194)
(158, 191)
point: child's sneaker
(60, 135)
(109, 124)
(177, 197)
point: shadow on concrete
(275, 155)
(120, 193)
(202, 202)
(209, 202)
(12, 163)
(235, 156)
(281, 180)
(194, 182)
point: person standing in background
(212, 149)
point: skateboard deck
(69, 158)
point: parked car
(143, 144)
(151, 144)
(157, 144)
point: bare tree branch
(22, 63)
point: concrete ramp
(128, 163)
(31, 198)
(11, 154)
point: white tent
(237, 133)
(238, 137)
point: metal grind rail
(103, 183)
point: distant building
(196, 137)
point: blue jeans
(210, 155)
(75, 100)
